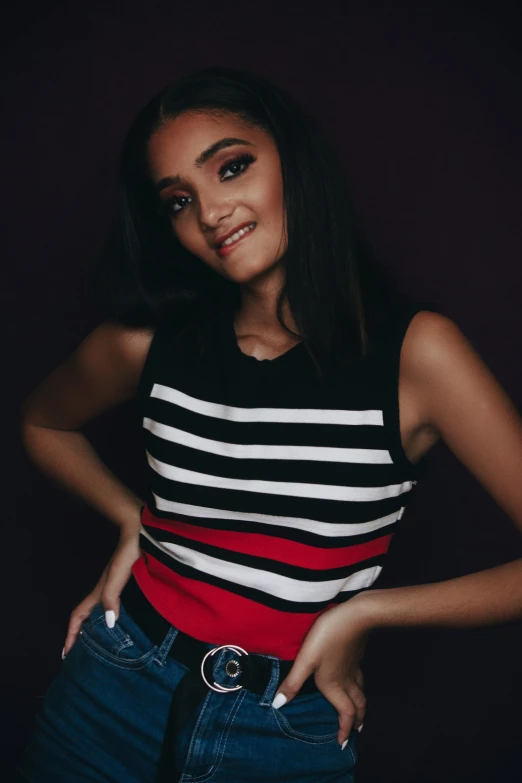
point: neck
(257, 314)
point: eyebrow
(205, 156)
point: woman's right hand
(115, 576)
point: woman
(290, 395)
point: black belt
(255, 670)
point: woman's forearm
(484, 598)
(68, 458)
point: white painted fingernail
(345, 743)
(279, 700)
(360, 727)
(63, 653)
(110, 618)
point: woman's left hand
(332, 650)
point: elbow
(28, 423)
(26, 429)
(24, 419)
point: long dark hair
(339, 294)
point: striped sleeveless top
(273, 493)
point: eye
(172, 207)
(241, 160)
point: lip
(231, 233)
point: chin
(244, 274)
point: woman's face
(214, 176)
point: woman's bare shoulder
(128, 346)
(101, 373)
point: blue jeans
(104, 719)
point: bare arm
(477, 420)
(103, 372)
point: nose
(213, 209)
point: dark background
(424, 103)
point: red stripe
(222, 617)
(273, 547)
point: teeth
(237, 235)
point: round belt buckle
(217, 687)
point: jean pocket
(308, 718)
(125, 645)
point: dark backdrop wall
(424, 105)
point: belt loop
(164, 649)
(268, 696)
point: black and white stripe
(319, 465)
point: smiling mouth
(225, 248)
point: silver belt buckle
(217, 687)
